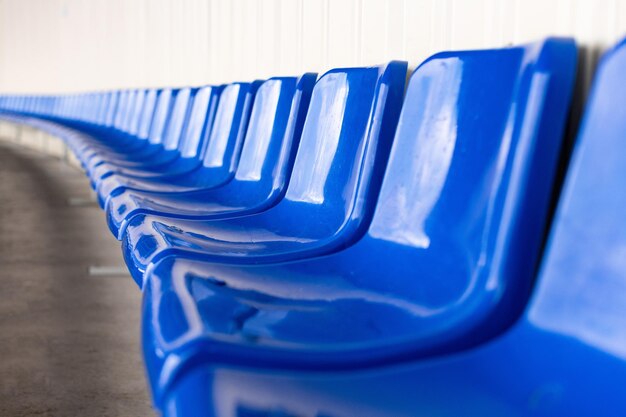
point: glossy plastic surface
(194, 131)
(334, 183)
(448, 260)
(226, 340)
(223, 147)
(169, 153)
(129, 148)
(265, 164)
(565, 357)
(105, 139)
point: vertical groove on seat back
(261, 127)
(147, 113)
(176, 119)
(119, 110)
(128, 112)
(201, 116)
(136, 113)
(159, 119)
(226, 124)
(111, 109)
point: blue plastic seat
(564, 357)
(151, 148)
(104, 128)
(184, 141)
(330, 198)
(261, 176)
(117, 140)
(119, 144)
(172, 136)
(193, 128)
(446, 264)
(219, 159)
(119, 108)
(114, 137)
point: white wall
(78, 45)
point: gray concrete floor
(69, 343)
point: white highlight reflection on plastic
(220, 132)
(160, 114)
(137, 111)
(177, 118)
(196, 122)
(259, 131)
(424, 163)
(146, 114)
(320, 141)
(582, 296)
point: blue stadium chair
(103, 125)
(110, 140)
(330, 198)
(185, 158)
(433, 294)
(565, 356)
(127, 142)
(219, 160)
(168, 148)
(447, 263)
(154, 143)
(172, 137)
(111, 143)
(265, 164)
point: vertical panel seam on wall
(386, 26)
(300, 37)
(516, 21)
(278, 35)
(448, 18)
(326, 33)
(615, 16)
(404, 29)
(358, 33)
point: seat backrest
(345, 142)
(136, 111)
(469, 179)
(120, 111)
(147, 113)
(274, 130)
(103, 105)
(199, 121)
(177, 118)
(111, 112)
(127, 117)
(227, 133)
(71, 107)
(582, 280)
(76, 108)
(133, 112)
(85, 107)
(160, 116)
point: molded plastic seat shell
(192, 130)
(446, 264)
(265, 164)
(191, 146)
(564, 357)
(148, 145)
(330, 199)
(174, 138)
(219, 160)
